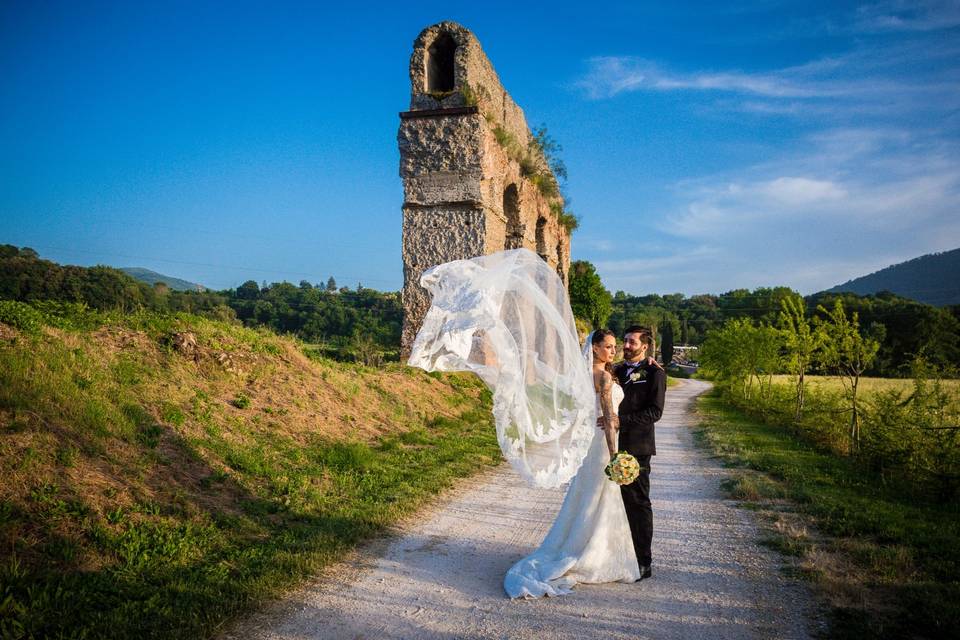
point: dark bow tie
(633, 365)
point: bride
(589, 541)
(506, 317)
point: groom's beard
(630, 354)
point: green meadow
(883, 553)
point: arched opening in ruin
(560, 260)
(440, 64)
(511, 210)
(541, 240)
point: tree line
(345, 322)
(341, 322)
(902, 328)
(908, 433)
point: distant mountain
(152, 277)
(933, 279)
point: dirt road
(441, 577)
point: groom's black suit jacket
(642, 406)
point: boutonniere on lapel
(638, 376)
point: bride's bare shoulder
(602, 379)
(598, 379)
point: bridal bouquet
(623, 468)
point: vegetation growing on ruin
(541, 164)
(566, 217)
(470, 97)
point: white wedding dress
(506, 317)
(589, 541)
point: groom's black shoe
(645, 572)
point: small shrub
(242, 401)
(21, 316)
(66, 455)
(565, 217)
(149, 435)
(70, 316)
(347, 457)
(173, 414)
(440, 95)
(470, 98)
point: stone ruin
(474, 181)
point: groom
(644, 387)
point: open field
(867, 385)
(906, 430)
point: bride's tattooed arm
(610, 420)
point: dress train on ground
(589, 542)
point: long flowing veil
(506, 317)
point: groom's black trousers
(636, 500)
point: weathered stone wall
(464, 195)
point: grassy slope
(146, 492)
(887, 564)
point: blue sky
(708, 147)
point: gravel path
(441, 577)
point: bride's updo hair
(600, 334)
(598, 337)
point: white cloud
(679, 259)
(908, 15)
(794, 192)
(865, 173)
(848, 202)
(609, 76)
(872, 79)
(597, 244)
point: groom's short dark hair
(646, 334)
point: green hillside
(932, 279)
(152, 278)
(160, 473)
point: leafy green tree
(802, 339)
(912, 329)
(847, 352)
(588, 297)
(722, 356)
(762, 349)
(248, 291)
(740, 352)
(331, 285)
(666, 342)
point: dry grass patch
(156, 456)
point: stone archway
(440, 64)
(511, 210)
(541, 237)
(561, 260)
